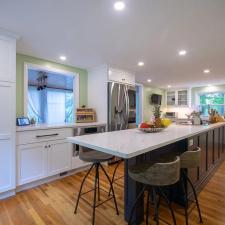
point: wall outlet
(191, 142)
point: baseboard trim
(7, 194)
(49, 179)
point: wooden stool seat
(89, 155)
(154, 176)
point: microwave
(171, 114)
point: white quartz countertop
(133, 142)
(58, 126)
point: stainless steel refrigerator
(121, 106)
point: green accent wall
(22, 59)
(147, 107)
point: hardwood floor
(53, 203)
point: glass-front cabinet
(177, 97)
(171, 98)
(182, 97)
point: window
(212, 101)
(50, 97)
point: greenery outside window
(212, 101)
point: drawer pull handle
(46, 135)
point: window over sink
(51, 95)
(212, 101)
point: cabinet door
(224, 140)
(59, 157)
(221, 142)
(210, 149)
(203, 146)
(7, 102)
(121, 76)
(32, 162)
(7, 136)
(7, 163)
(171, 98)
(7, 59)
(129, 78)
(182, 97)
(216, 144)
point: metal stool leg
(95, 187)
(81, 187)
(114, 173)
(168, 204)
(135, 203)
(196, 198)
(156, 205)
(185, 199)
(110, 182)
(98, 178)
(147, 207)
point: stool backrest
(190, 159)
(164, 174)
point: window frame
(50, 69)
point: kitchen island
(136, 147)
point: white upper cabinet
(7, 59)
(178, 97)
(182, 97)
(171, 98)
(121, 76)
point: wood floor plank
(53, 203)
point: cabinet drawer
(28, 137)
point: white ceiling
(91, 32)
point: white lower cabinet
(59, 157)
(32, 162)
(42, 159)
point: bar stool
(155, 176)
(190, 159)
(96, 158)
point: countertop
(133, 142)
(58, 126)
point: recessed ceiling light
(206, 71)
(182, 52)
(140, 63)
(149, 80)
(63, 58)
(119, 5)
(169, 86)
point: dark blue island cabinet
(212, 144)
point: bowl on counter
(152, 129)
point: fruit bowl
(151, 129)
